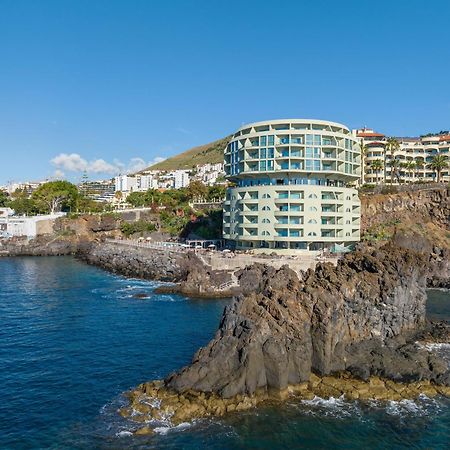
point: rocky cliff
(346, 330)
(415, 206)
(333, 319)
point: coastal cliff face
(419, 206)
(353, 317)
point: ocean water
(73, 338)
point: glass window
(271, 140)
(284, 140)
(283, 220)
(283, 232)
(295, 153)
(285, 152)
(295, 208)
(294, 233)
(262, 166)
(270, 165)
(316, 152)
(284, 165)
(295, 166)
(263, 140)
(309, 139)
(309, 164)
(309, 152)
(296, 195)
(283, 195)
(317, 139)
(294, 220)
(270, 152)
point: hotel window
(294, 233)
(317, 139)
(296, 195)
(262, 166)
(270, 152)
(283, 233)
(295, 153)
(270, 165)
(271, 140)
(294, 220)
(263, 153)
(284, 165)
(309, 139)
(285, 152)
(295, 166)
(263, 140)
(295, 208)
(284, 140)
(283, 220)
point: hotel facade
(292, 186)
(418, 151)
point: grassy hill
(208, 153)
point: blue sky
(120, 83)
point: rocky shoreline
(349, 330)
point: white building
(180, 178)
(292, 186)
(30, 227)
(413, 156)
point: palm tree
(118, 195)
(377, 165)
(409, 167)
(392, 146)
(364, 149)
(419, 165)
(437, 165)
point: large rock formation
(413, 205)
(355, 317)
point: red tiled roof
(370, 135)
(446, 137)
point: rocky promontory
(350, 330)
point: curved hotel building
(291, 185)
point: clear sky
(108, 85)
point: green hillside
(208, 153)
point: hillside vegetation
(208, 153)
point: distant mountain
(203, 154)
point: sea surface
(73, 338)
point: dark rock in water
(360, 317)
(141, 295)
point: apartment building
(413, 157)
(292, 186)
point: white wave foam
(124, 433)
(164, 430)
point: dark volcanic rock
(359, 316)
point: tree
(409, 167)
(196, 191)
(3, 199)
(137, 199)
(216, 193)
(377, 166)
(419, 165)
(392, 146)
(364, 150)
(55, 196)
(437, 165)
